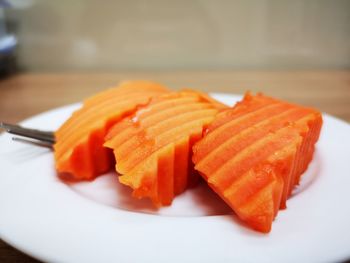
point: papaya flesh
(253, 155)
(153, 146)
(78, 151)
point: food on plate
(79, 152)
(153, 146)
(253, 155)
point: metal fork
(32, 136)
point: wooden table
(24, 95)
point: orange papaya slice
(79, 152)
(153, 146)
(252, 155)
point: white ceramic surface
(100, 222)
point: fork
(31, 136)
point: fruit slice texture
(79, 151)
(253, 155)
(153, 147)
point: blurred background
(53, 53)
(93, 35)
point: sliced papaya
(79, 152)
(153, 146)
(252, 155)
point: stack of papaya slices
(153, 146)
(253, 155)
(79, 152)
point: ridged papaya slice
(153, 146)
(79, 152)
(252, 155)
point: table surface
(24, 95)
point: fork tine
(15, 126)
(33, 142)
(44, 136)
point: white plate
(100, 222)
